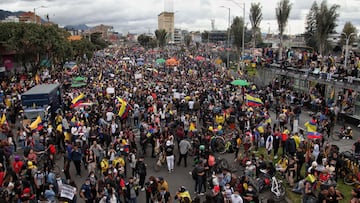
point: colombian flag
(253, 101)
(78, 98)
(124, 108)
(310, 125)
(314, 135)
(36, 123)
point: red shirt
(17, 166)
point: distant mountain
(77, 27)
(4, 14)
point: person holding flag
(311, 127)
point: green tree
(96, 39)
(311, 25)
(144, 39)
(187, 40)
(282, 15)
(161, 37)
(33, 42)
(152, 43)
(348, 29)
(255, 17)
(325, 24)
(82, 47)
(205, 36)
(237, 32)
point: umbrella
(172, 62)
(240, 83)
(200, 58)
(139, 59)
(126, 58)
(160, 61)
(78, 84)
(78, 79)
(140, 63)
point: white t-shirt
(109, 116)
(191, 105)
(114, 126)
(235, 198)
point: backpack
(130, 157)
(141, 168)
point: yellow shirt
(286, 132)
(58, 119)
(165, 185)
(297, 140)
(283, 163)
(59, 128)
(182, 195)
(119, 160)
(67, 136)
(220, 119)
(104, 165)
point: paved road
(181, 177)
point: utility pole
(228, 39)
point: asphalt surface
(181, 177)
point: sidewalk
(344, 145)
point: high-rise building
(166, 22)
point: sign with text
(67, 191)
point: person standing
(39, 180)
(131, 191)
(269, 144)
(300, 160)
(85, 192)
(184, 147)
(140, 168)
(276, 142)
(236, 198)
(76, 157)
(132, 161)
(169, 151)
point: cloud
(141, 15)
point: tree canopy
(255, 19)
(320, 22)
(161, 36)
(33, 42)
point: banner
(138, 76)
(67, 191)
(110, 90)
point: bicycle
(277, 189)
(352, 172)
(44, 160)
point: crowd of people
(178, 110)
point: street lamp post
(228, 39)
(243, 33)
(35, 20)
(347, 46)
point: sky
(140, 16)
